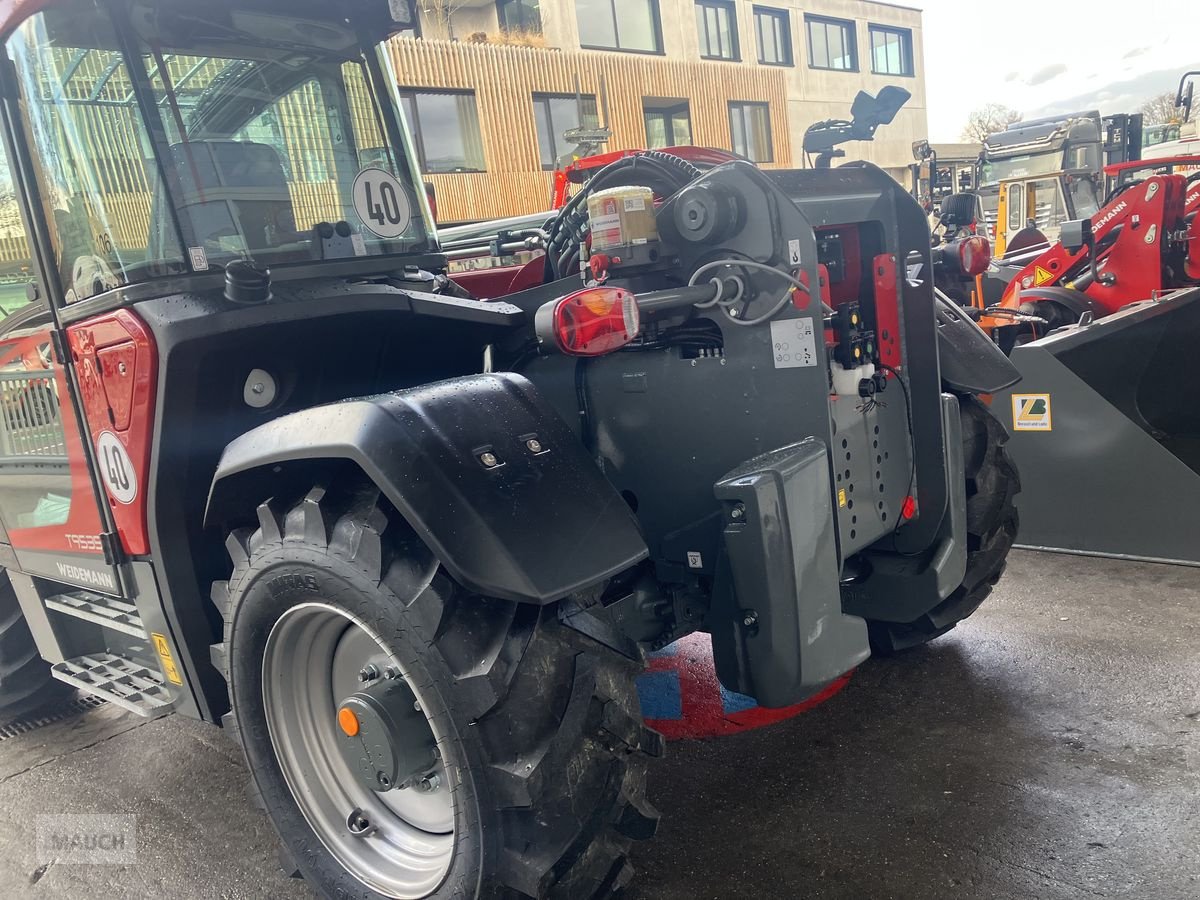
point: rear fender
(483, 470)
(970, 361)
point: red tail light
(590, 322)
(974, 255)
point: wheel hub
(334, 730)
(381, 736)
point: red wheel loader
(1102, 326)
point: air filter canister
(622, 216)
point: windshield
(263, 140)
(994, 171)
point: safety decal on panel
(1042, 276)
(168, 661)
(116, 468)
(1031, 412)
(381, 203)
(794, 251)
(794, 343)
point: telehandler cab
(264, 464)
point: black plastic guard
(970, 361)
(779, 634)
(537, 525)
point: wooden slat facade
(505, 78)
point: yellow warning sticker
(168, 661)
(1031, 412)
(841, 498)
(1042, 276)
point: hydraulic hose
(662, 172)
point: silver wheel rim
(311, 662)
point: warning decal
(794, 252)
(168, 661)
(1031, 412)
(794, 343)
(1042, 276)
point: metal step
(106, 611)
(128, 684)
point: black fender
(483, 470)
(970, 361)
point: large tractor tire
(501, 754)
(25, 680)
(992, 485)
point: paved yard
(1049, 748)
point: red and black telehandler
(265, 465)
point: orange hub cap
(347, 721)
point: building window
(774, 36)
(831, 44)
(716, 24)
(668, 122)
(445, 129)
(520, 15)
(750, 128)
(630, 25)
(556, 116)
(891, 51)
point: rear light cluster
(591, 322)
(974, 255)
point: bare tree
(987, 120)
(440, 13)
(1160, 109)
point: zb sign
(1031, 412)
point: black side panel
(787, 638)
(971, 363)
(538, 523)
(859, 192)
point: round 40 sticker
(381, 203)
(116, 468)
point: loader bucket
(1106, 434)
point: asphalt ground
(1049, 747)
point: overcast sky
(1042, 56)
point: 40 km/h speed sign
(381, 203)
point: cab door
(1047, 206)
(48, 499)
(1010, 213)
(51, 523)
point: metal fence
(30, 419)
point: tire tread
(507, 660)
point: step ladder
(138, 688)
